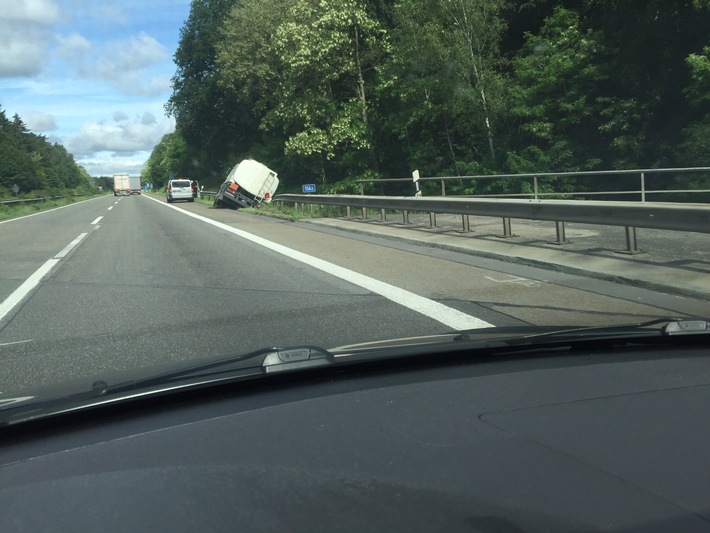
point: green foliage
(31, 163)
(333, 91)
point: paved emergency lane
(150, 285)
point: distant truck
(248, 185)
(121, 185)
(135, 184)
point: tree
(328, 51)
(445, 82)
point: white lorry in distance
(135, 184)
(248, 185)
(121, 185)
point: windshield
(399, 168)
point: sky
(92, 75)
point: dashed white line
(69, 246)
(15, 342)
(110, 208)
(23, 290)
(446, 315)
(96, 221)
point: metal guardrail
(643, 190)
(631, 215)
(37, 200)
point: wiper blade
(259, 363)
(254, 365)
(518, 339)
(658, 329)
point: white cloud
(134, 66)
(25, 35)
(125, 137)
(120, 116)
(73, 47)
(39, 122)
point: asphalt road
(111, 284)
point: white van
(248, 185)
(179, 189)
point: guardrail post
(507, 231)
(443, 188)
(405, 217)
(466, 223)
(535, 187)
(364, 213)
(561, 236)
(383, 215)
(643, 187)
(631, 243)
(347, 211)
(362, 189)
(432, 219)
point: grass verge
(15, 211)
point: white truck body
(248, 184)
(135, 184)
(121, 185)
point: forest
(29, 163)
(332, 91)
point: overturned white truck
(248, 185)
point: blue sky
(92, 75)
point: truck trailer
(121, 185)
(248, 185)
(135, 184)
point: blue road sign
(309, 187)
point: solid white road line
(30, 283)
(96, 221)
(448, 316)
(48, 210)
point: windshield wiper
(253, 365)
(518, 339)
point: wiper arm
(254, 365)
(658, 328)
(259, 363)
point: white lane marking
(49, 210)
(96, 221)
(24, 289)
(441, 313)
(525, 282)
(110, 208)
(69, 246)
(16, 342)
(30, 283)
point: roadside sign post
(415, 178)
(308, 188)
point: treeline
(337, 90)
(29, 163)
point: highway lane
(27, 242)
(149, 285)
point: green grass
(20, 210)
